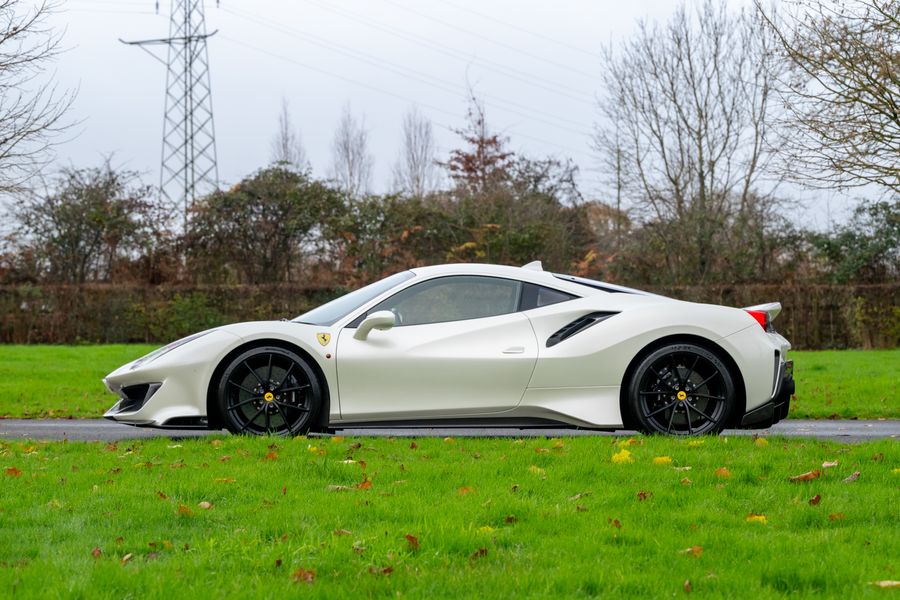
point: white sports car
(476, 345)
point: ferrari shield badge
(323, 338)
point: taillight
(761, 316)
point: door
(459, 347)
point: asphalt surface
(106, 431)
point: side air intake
(578, 325)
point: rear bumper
(777, 408)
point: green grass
(64, 381)
(492, 517)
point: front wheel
(269, 390)
(681, 389)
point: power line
(413, 74)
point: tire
(681, 389)
(269, 391)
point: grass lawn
(64, 381)
(346, 518)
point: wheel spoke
(245, 425)
(687, 378)
(247, 401)
(674, 367)
(710, 396)
(700, 412)
(254, 374)
(702, 383)
(287, 427)
(659, 410)
(687, 414)
(294, 389)
(297, 408)
(240, 387)
(267, 418)
(269, 373)
(660, 378)
(671, 418)
(284, 380)
(669, 393)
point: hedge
(814, 316)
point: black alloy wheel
(681, 389)
(269, 390)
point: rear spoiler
(765, 313)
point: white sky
(535, 63)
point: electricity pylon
(188, 167)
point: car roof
(531, 273)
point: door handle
(515, 350)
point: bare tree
(352, 162)
(842, 91)
(684, 127)
(415, 172)
(287, 148)
(31, 107)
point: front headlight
(166, 349)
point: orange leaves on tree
(13, 472)
(412, 541)
(808, 476)
(302, 575)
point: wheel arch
(719, 351)
(212, 411)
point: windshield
(334, 311)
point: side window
(453, 298)
(536, 296)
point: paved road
(101, 430)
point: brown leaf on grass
(887, 583)
(304, 575)
(686, 481)
(723, 473)
(852, 477)
(830, 463)
(542, 450)
(224, 458)
(225, 480)
(808, 476)
(115, 470)
(756, 518)
(480, 553)
(283, 490)
(580, 508)
(559, 445)
(465, 491)
(814, 501)
(642, 495)
(355, 446)
(184, 510)
(216, 442)
(96, 552)
(272, 455)
(579, 496)
(381, 571)
(614, 522)
(878, 457)
(162, 496)
(514, 488)
(687, 586)
(120, 539)
(695, 551)
(277, 562)
(205, 505)
(413, 542)
(13, 472)
(366, 484)
(111, 447)
(836, 516)
(341, 532)
(127, 558)
(413, 446)
(510, 519)
(358, 547)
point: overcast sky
(534, 62)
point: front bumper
(777, 408)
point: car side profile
(477, 345)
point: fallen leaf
(558, 445)
(111, 447)
(579, 496)
(852, 477)
(480, 553)
(13, 472)
(413, 446)
(127, 557)
(362, 464)
(225, 480)
(381, 571)
(695, 443)
(96, 552)
(272, 455)
(580, 508)
(366, 484)
(339, 488)
(486, 529)
(695, 551)
(341, 532)
(283, 490)
(216, 442)
(510, 519)
(184, 510)
(623, 456)
(878, 457)
(808, 476)
(761, 441)
(887, 583)
(631, 442)
(514, 488)
(542, 450)
(536, 470)
(662, 460)
(686, 481)
(337, 439)
(277, 562)
(642, 495)
(449, 440)
(304, 575)
(755, 518)
(814, 501)
(687, 586)
(682, 468)
(358, 547)
(355, 446)
(614, 522)
(162, 496)
(829, 463)
(465, 490)
(836, 516)
(413, 542)
(205, 505)
(224, 458)
(723, 473)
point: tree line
(701, 122)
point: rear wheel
(681, 389)
(269, 390)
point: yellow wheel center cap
(681, 395)
(269, 396)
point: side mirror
(381, 320)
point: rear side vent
(578, 325)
